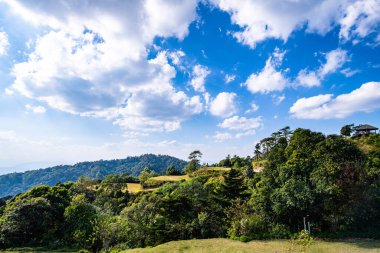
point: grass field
(217, 168)
(134, 187)
(278, 246)
(170, 178)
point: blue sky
(94, 80)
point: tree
(193, 164)
(80, 218)
(145, 175)
(233, 186)
(286, 132)
(249, 171)
(257, 151)
(347, 130)
(195, 155)
(171, 171)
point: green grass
(279, 246)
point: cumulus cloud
(241, 126)
(4, 43)
(308, 78)
(112, 76)
(364, 99)
(269, 78)
(361, 19)
(261, 20)
(199, 77)
(241, 123)
(223, 105)
(334, 60)
(35, 109)
(220, 137)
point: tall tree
(347, 130)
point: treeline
(12, 184)
(327, 180)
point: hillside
(14, 183)
(368, 144)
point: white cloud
(308, 78)
(269, 79)
(220, 137)
(199, 77)
(4, 43)
(229, 78)
(242, 126)
(176, 57)
(112, 77)
(261, 20)
(223, 105)
(364, 99)
(361, 19)
(349, 72)
(334, 60)
(254, 107)
(241, 123)
(278, 99)
(35, 109)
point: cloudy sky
(90, 80)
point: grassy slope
(367, 143)
(170, 178)
(229, 246)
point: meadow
(229, 246)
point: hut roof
(365, 127)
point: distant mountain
(14, 183)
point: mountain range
(15, 183)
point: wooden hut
(365, 130)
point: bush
(301, 242)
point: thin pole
(304, 224)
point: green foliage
(301, 242)
(80, 220)
(177, 211)
(331, 180)
(171, 171)
(145, 175)
(193, 164)
(347, 130)
(22, 223)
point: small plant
(301, 242)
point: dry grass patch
(170, 178)
(217, 168)
(134, 187)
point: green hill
(14, 183)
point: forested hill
(14, 183)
